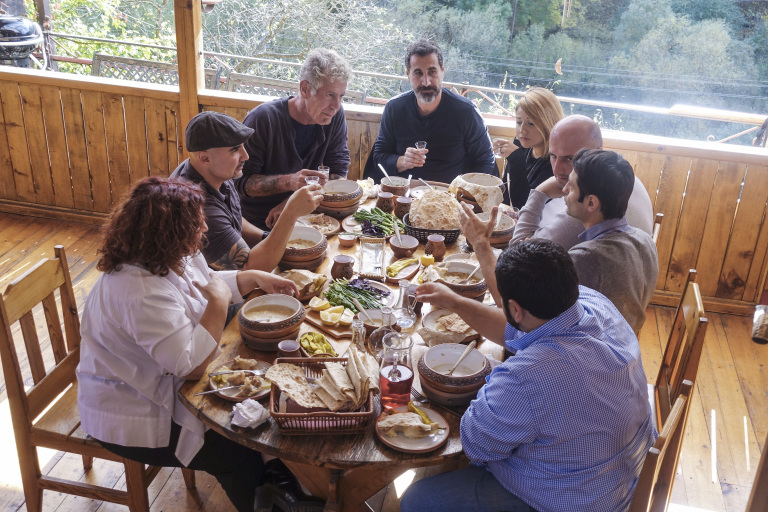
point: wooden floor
(725, 435)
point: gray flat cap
(215, 130)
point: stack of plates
(340, 198)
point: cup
(435, 246)
(420, 144)
(288, 348)
(402, 206)
(386, 202)
(343, 267)
(325, 170)
(312, 180)
(396, 375)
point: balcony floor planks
(732, 382)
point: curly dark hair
(158, 223)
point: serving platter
(418, 189)
(420, 445)
(231, 394)
(329, 226)
(406, 273)
(430, 322)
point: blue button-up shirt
(565, 423)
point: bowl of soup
(504, 229)
(270, 317)
(468, 377)
(394, 184)
(453, 274)
(305, 244)
(341, 194)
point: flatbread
(293, 382)
(486, 196)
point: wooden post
(189, 52)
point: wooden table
(343, 469)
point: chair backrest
(657, 227)
(20, 303)
(654, 485)
(127, 68)
(681, 357)
(252, 84)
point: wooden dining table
(343, 469)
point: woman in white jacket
(153, 320)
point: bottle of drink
(358, 335)
(403, 311)
(376, 339)
(396, 374)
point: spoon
(463, 356)
(427, 184)
(362, 311)
(397, 234)
(385, 174)
(217, 390)
(466, 280)
(259, 372)
(409, 179)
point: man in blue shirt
(456, 136)
(565, 423)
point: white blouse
(140, 332)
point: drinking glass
(421, 144)
(326, 172)
(396, 376)
(312, 180)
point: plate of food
(372, 222)
(418, 188)
(247, 385)
(325, 224)
(404, 268)
(412, 429)
(445, 322)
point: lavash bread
(486, 196)
(409, 423)
(436, 209)
(307, 282)
(292, 381)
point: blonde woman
(537, 112)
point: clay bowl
(341, 193)
(319, 243)
(477, 178)
(405, 247)
(503, 232)
(310, 265)
(338, 213)
(467, 378)
(472, 290)
(347, 240)
(278, 329)
(398, 186)
(449, 399)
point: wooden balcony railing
(70, 146)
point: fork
(259, 372)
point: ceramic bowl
(467, 378)
(341, 193)
(310, 265)
(308, 253)
(273, 330)
(472, 290)
(479, 178)
(449, 399)
(503, 232)
(338, 213)
(347, 240)
(405, 247)
(398, 186)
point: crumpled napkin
(249, 414)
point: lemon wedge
(427, 260)
(346, 317)
(336, 309)
(330, 318)
(318, 304)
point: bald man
(544, 215)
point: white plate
(391, 298)
(230, 394)
(430, 322)
(350, 225)
(329, 227)
(417, 192)
(421, 445)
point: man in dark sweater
(456, 136)
(293, 136)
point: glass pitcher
(396, 375)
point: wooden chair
(681, 357)
(657, 227)
(46, 414)
(252, 84)
(758, 498)
(654, 485)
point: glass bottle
(376, 339)
(358, 335)
(403, 311)
(396, 376)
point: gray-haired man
(293, 136)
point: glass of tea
(396, 376)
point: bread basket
(421, 234)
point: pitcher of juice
(396, 376)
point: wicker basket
(421, 234)
(323, 422)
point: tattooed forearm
(234, 259)
(260, 185)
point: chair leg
(30, 477)
(135, 484)
(189, 477)
(87, 462)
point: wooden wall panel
(17, 141)
(743, 261)
(77, 147)
(7, 184)
(34, 126)
(722, 209)
(175, 142)
(157, 139)
(136, 132)
(98, 161)
(56, 138)
(648, 168)
(690, 226)
(669, 201)
(117, 146)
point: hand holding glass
(326, 172)
(312, 180)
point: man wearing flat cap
(216, 157)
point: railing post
(189, 49)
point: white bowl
(479, 178)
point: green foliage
(700, 10)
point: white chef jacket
(140, 332)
